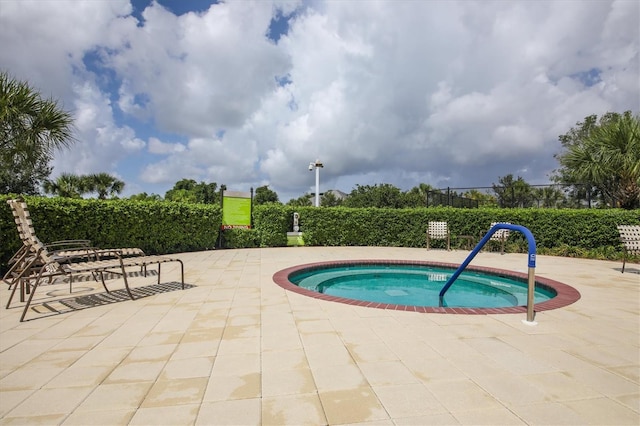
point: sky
(248, 93)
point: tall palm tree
(104, 184)
(610, 159)
(31, 130)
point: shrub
(240, 238)
(584, 232)
(168, 227)
(156, 227)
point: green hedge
(567, 232)
(155, 227)
(240, 238)
(272, 222)
(166, 227)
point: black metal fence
(536, 196)
(435, 198)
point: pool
(414, 286)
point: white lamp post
(317, 165)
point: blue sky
(247, 93)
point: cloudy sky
(247, 93)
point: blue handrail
(531, 260)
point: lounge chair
(438, 231)
(40, 264)
(500, 235)
(66, 250)
(630, 238)
(19, 259)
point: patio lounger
(630, 238)
(66, 250)
(43, 266)
(37, 262)
(16, 262)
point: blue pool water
(417, 285)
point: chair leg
(126, 283)
(102, 281)
(33, 292)
(18, 283)
(15, 266)
(181, 272)
(624, 259)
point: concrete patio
(235, 348)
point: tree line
(599, 162)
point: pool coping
(566, 295)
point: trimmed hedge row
(583, 232)
(167, 227)
(155, 227)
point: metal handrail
(531, 263)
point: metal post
(251, 217)
(317, 185)
(530, 295)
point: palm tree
(609, 158)
(104, 184)
(303, 200)
(66, 185)
(549, 196)
(31, 130)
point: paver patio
(235, 348)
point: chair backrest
(500, 234)
(23, 219)
(630, 237)
(28, 234)
(21, 232)
(438, 230)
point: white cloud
(451, 93)
(201, 72)
(101, 144)
(44, 42)
(156, 146)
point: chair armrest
(68, 244)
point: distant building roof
(338, 194)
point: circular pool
(415, 286)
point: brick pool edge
(565, 294)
